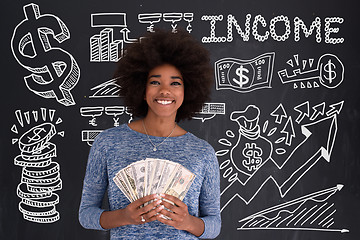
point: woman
(164, 78)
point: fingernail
(161, 207)
(162, 195)
(159, 201)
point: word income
(279, 28)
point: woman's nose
(165, 90)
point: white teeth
(164, 102)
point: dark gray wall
(283, 119)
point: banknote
(121, 176)
(129, 177)
(156, 175)
(122, 186)
(138, 170)
(148, 174)
(153, 175)
(167, 173)
(179, 185)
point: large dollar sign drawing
(329, 68)
(54, 71)
(243, 79)
(253, 156)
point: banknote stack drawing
(150, 176)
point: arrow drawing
(303, 109)
(304, 157)
(318, 110)
(279, 113)
(289, 131)
(311, 212)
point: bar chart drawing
(103, 45)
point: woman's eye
(154, 83)
(176, 83)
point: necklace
(156, 146)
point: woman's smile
(164, 91)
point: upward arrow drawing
(289, 131)
(285, 176)
(279, 113)
(326, 192)
(126, 38)
(303, 109)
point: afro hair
(179, 49)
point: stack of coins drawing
(40, 175)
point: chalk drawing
(40, 177)
(173, 18)
(278, 28)
(244, 75)
(95, 112)
(209, 111)
(329, 72)
(54, 72)
(313, 212)
(107, 89)
(109, 43)
(104, 47)
(274, 152)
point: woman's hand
(134, 213)
(137, 213)
(179, 216)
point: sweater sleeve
(210, 198)
(94, 187)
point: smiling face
(164, 91)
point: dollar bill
(131, 181)
(180, 183)
(152, 175)
(158, 166)
(168, 171)
(126, 185)
(148, 174)
(138, 170)
(122, 186)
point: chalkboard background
(292, 172)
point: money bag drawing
(251, 150)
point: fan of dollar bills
(149, 176)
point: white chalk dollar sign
(54, 72)
(243, 79)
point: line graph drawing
(272, 154)
(245, 183)
(312, 212)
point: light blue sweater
(118, 147)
